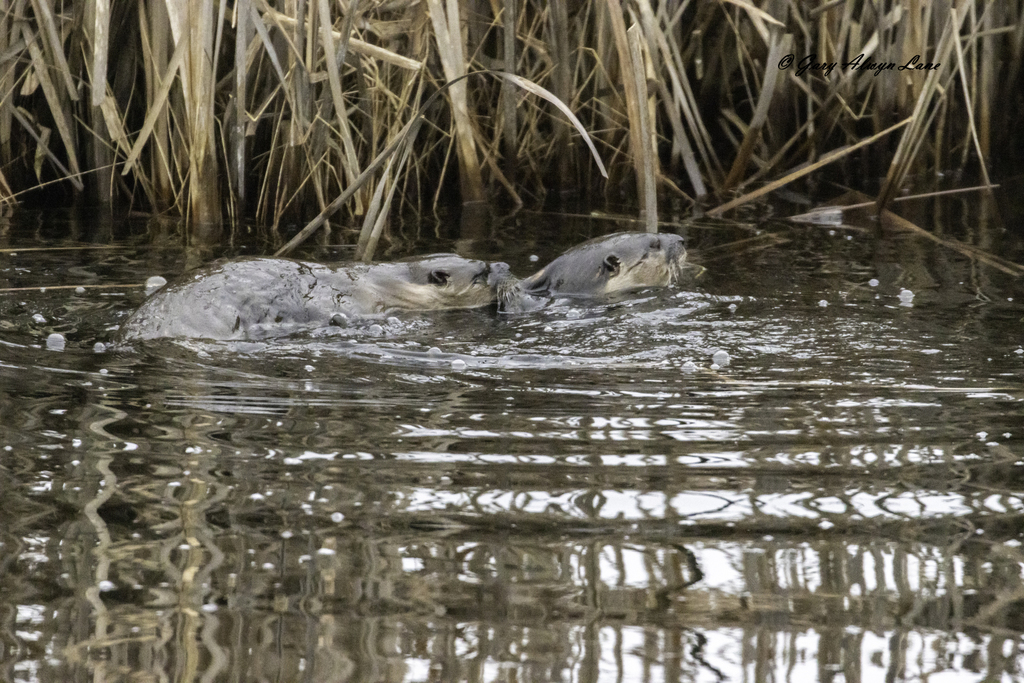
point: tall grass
(269, 110)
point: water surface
(579, 493)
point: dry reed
(274, 110)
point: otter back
(254, 298)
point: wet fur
(614, 263)
(254, 298)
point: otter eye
(611, 263)
(438, 277)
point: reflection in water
(586, 499)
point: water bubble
(458, 364)
(326, 552)
(689, 366)
(1019, 351)
(548, 328)
(720, 358)
(106, 586)
(823, 303)
(375, 330)
(339, 320)
(79, 290)
(38, 318)
(906, 297)
(309, 368)
(534, 258)
(873, 282)
(99, 347)
(394, 321)
(732, 308)
(154, 283)
(433, 351)
(337, 517)
(55, 342)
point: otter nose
(497, 272)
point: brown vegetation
(271, 109)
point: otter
(611, 264)
(257, 298)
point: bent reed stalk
(271, 110)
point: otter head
(447, 281)
(615, 263)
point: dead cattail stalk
(968, 103)
(780, 45)
(914, 135)
(657, 43)
(155, 38)
(561, 84)
(376, 218)
(636, 142)
(243, 34)
(785, 180)
(508, 101)
(448, 31)
(645, 155)
(358, 46)
(53, 99)
(204, 194)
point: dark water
(573, 494)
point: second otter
(254, 298)
(614, 263)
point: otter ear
(611, 264)
(438, 277)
